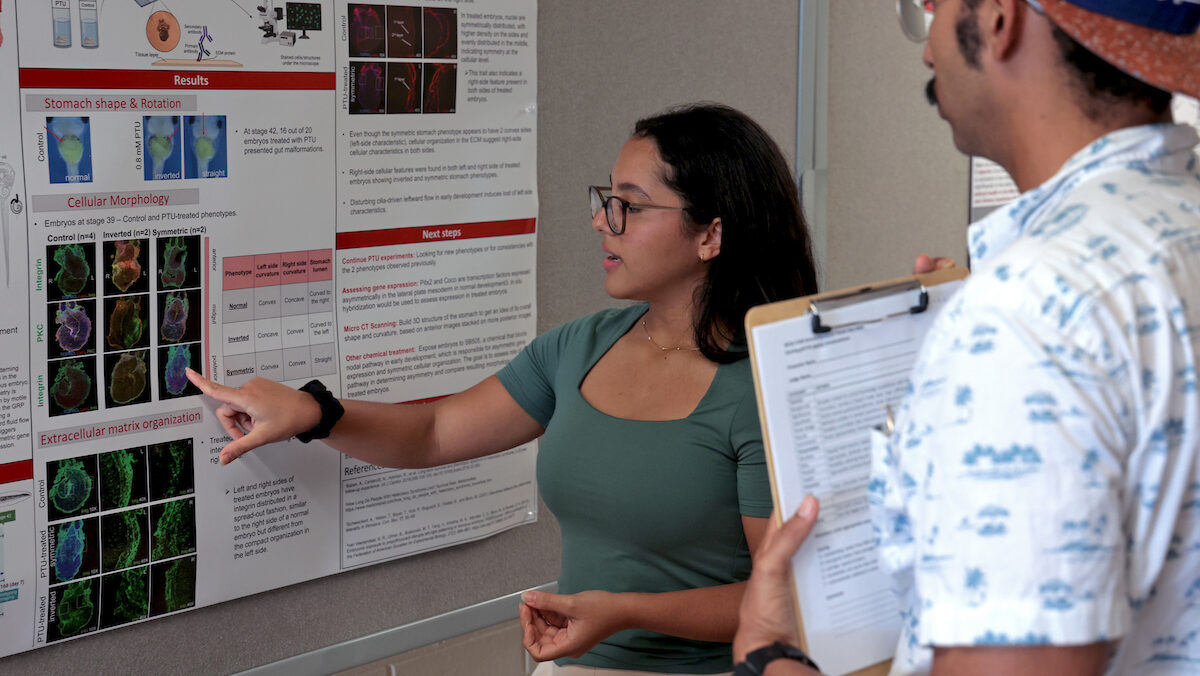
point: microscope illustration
(270, 16)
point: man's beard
(931, 91)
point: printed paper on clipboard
(824, 368)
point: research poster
(247, 188)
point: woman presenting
(650, 455)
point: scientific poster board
(294, 190)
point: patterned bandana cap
(1155, 41)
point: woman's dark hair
(722, 164)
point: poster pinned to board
(289, 190)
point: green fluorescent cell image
(122, 478)
(124, 597)
(175, 253)
(173, 585)
(73, 610)
(173, 529)
(126, 539)
(171, 473)
(74, 276)
(179, 260)
(72, 487)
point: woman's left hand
(567, 625)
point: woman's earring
(703, 259)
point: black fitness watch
(757, 660)
(331, 411)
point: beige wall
(897, 186)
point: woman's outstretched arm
(482, 420)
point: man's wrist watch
(757, 660)
(331, 411)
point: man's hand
(926, 263)
(567, 625)
(767, 613)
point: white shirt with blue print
(1043, 483)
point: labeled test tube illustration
(89, 24)
(60, 14)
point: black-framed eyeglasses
(616, 208)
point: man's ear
(709, 245)
(1001, 24)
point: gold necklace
(663, 348)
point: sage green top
(644, 506)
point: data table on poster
(278, 316)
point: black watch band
(331, 411)
(757, 660)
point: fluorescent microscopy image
(74, 262)
(174, 317)
(173, 362)
(126, 322)
(178, 361)
(68, 550)
(441, 32)
(127, 379)
(124, 597)
(126, 269)
(72, 487)
(368, 87)
(404, 88)
(74, 609)
(173, 529)
(366, 33)
(71, 389)
(173, 274)
(171, 472)
(178, 262)
(441, 87)
(125, 539)
(74, 331)
(403, 32)
(123, 478)
(173, 586)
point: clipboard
(783, 338)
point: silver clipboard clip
(868, 293)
